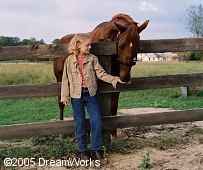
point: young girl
(79, 87)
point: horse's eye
(122, 44)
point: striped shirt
(80, 60)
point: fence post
(184, 91)
(105, 99)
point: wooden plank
(47, 52)
(171, 45)
(148, 119)
(109, 123)
(105, 99)
(168, 81)
(36, 129)
(26, 52)
(102, 48)
(21, 91)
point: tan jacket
(71, 81)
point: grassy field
(34, 73)
(156, 68)
(44, 109)
(26, 73)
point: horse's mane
(124, 17)
(100, 25)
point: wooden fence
(170, 81)
(102, 49)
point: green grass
(164, 98)
(42, 73)
(48, 147)
(26, 73)
(145, 163)
(29, 110)
(162, 68)
(44, 109)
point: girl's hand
(116, 80)
(66, 102)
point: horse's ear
(143, 26)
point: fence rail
(102, 48)
(169, 81)
(109, 122)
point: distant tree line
(15, 41)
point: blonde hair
(73, 45)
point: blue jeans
(93, 108)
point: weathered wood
(26, 52)
(105, 99)
(148, 119)
(19, 91)
(109, 123)
(168, 81)
(102, 48)
(47, 52)
(171, 45)
(36, 129)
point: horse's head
(128, 46)
(123, 29)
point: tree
(195, 20)
(41, 41)
(55, 41)
(9, 41)
(32, 41)
(14, 41)
(195, 26)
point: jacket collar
(74, 59)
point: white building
(151, 57)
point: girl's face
(84, 46)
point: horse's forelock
(130, 33)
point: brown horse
(128, 46)
(125, 32)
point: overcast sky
(50, 19)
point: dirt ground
(181, 157)
(184, 155)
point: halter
(121, 62)
(134, 61)
(126, 63)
